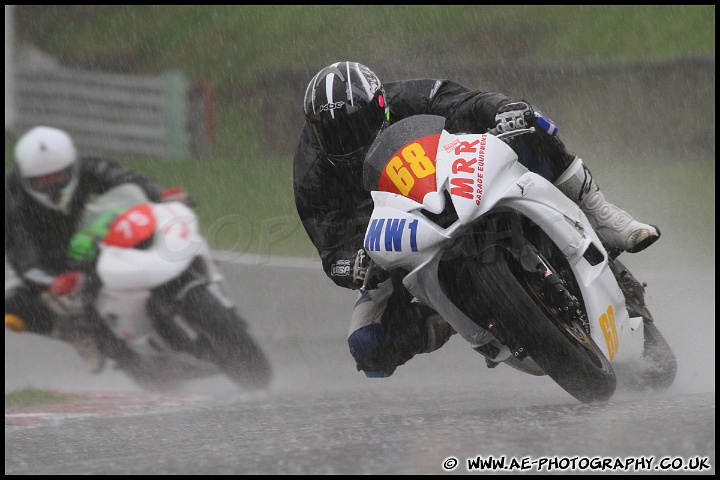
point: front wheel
(225, 339)
(486, 290)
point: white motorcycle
(509, 261)
(156, 304)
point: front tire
(225, 339)
(486, 290)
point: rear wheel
(485, 288)
(658, 367)
(155, 377)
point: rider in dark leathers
(45, 195)
(345, 107)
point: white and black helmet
(345, 108)
(47, 160)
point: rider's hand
(176, 194)
(68, 283)
(514, 116)
(360, 268)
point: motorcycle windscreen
(401, 160)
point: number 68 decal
(607, 324)
(421, 166)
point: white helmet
(47, 160)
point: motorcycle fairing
(132, 227)
(411, 170)
(175, 244)
(467, 167)
(401, 235)
(619, 336)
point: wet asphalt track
(322, 417)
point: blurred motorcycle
(154, 302)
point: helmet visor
(51, 184)
(352, 129)
(54, 190)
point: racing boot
(83, 342)
(615, 227)
(439, 332)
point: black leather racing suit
(335, 209)
(37, 237)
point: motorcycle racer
(45, 194)
(345, 106)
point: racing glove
(360, 269)
(519, 115)
(514, 116)
(68, 283)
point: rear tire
(662, 365)
(657, 368)
(485, 289)
(153, 378)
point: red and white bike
(156, 305)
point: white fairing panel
(481, 173)
(620, 337)
(176, 243)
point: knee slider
(367, 346)
(24, 311)
(14, 323)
